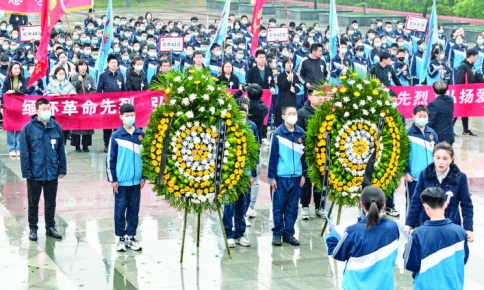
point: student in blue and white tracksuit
(422, 142)
(285, 171)
(369, 247)
(437, 251)
(124, 170)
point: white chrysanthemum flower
(365, 112)
(346, 99)
(344, 193)
(212, 110)
(386, 89)
(382, 114)
(195, 201)
(351, 82)
(372, 110)
(221, 101)
(355, 106)
(190, 78)
(210, 88)
(379, 103)
(180, 90)
(185, 101)
(226, 160)
(172, 102)
(334, 90)
(227, 144)
(366, 82)
(210, 196)
(346, 114)
(206, 97)
(190, 115)
(338, 104)
(183, 128)
(202, 109)
(189, 124)
(229, 107)
(202, 198)
(204, 76)
(177, 79)
(192, 97)
(387, 102)
(369, 98)
(359, 86)
(362, 103)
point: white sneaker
(305, 213)
(121, 245)
(321, 213)
(243, 242)
(12, 154)
(247, 223)
(17, 153)
(231, 243)
(265, 142)
(251, 213)
(133, 244)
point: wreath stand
(217, 204)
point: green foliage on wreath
(351, 113)
(196, 104)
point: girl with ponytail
(369, 247)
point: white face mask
(291, 119)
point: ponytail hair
(373, 199)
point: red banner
(468, 99)
(266, 98)
(34, 6)
(255, 24)
(82, 112)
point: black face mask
(401, 59)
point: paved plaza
(86, 257)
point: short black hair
(471, 52)
(420, 108)
(392, 94)
(254, 92)
(41, 101)
(315, 46)
(385, 55)
(259, 52)
(284, 109)
(434, 197)
(126, 108)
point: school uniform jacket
(421, 149)
(436, 253)
(370, 254)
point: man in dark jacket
(441, 113)
(466, 74)
(312, 69)
(43, 162)
(303, 116)
(111, 80)
(383, 70)
(18, 20)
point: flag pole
(285, 9)
(67, 20)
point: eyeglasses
(291, 114)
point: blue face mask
(128, 121)
(304, 50)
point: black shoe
(53, 233)
(78, 149)
(276, 241)
(291, 240)
(105, 149)
(33, 235)
(468, 133)
(85, 149)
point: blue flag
(106, 41)
(431, 38)
(220, 34)
(333, 30)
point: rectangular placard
(416, 23)
(171, 44)
(29, 33)
(280, 34)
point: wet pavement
(86, 257)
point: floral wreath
(351, 115)
(195, 104)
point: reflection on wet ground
(87, 259)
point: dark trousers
(307, 191)
(77, 140)
(126, 210)
(34, 189)
(284, 205)
(66, 135)
(236, 211)
(107, 136)
(465, 123)
(409, 190)
(389, 202)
